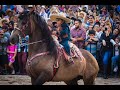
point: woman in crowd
(106, 49)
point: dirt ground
(25, 80)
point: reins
(40, 41)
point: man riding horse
(64, 32)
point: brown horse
(43, 53)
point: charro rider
(64, 31)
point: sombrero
(43, 6)
(2, 20)
(8, 11)
(54, 9)
(84, 14)
(61, 15)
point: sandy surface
(25, 80)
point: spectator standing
(91, 21)
(22, 50)
(43, 13)
(3, 51)
(12, 51)
(91, 43)
(116, 56)
(106, 49)
(78, 34)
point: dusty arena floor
(25, 80)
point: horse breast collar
(39, 54)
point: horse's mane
(46, 34)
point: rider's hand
(74, 39)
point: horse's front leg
(42, 78)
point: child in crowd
(91, 43)
(12, 51)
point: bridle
(23, 29)
(40, 41)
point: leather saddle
(75, 53)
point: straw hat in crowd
(4, 20)
(9, 11)
(83, 13)
(30, 6)
(54, 10)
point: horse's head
(25, 25)
(32, 24)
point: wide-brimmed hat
(2, 20)
(43, 6)
(30, 6)
(8, 11)
(54, 9)
(61, 15)
(84, 14)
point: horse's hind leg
(72, 82)
(32, 81)
(89, 80)
(42, 78)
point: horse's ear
(33, 10)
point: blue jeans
(115, 60)
(106, 56)
(66, 46)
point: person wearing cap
(62, 24)
(6, 7)
(3, 22)
(81, 16)
(30, 8)
(54, 10)
(43, 13)
(9, 14)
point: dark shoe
(105, 77)
(0, 73)
(105, 72)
